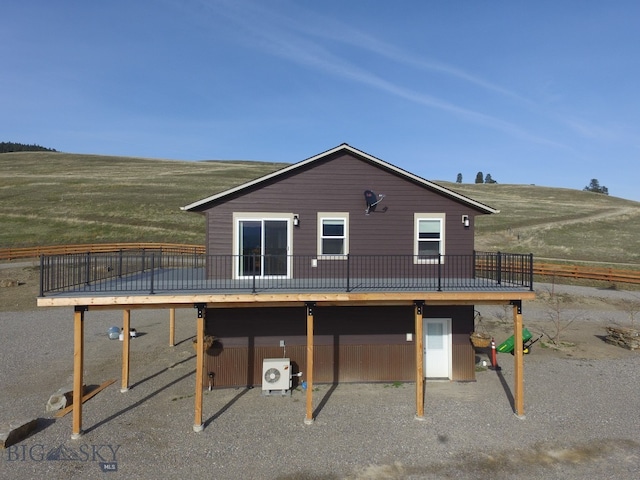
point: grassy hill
(57, 198)
(49, 198)
(556, 222)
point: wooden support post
(418, 308)
(126, 327)
(198, 426)
(78, 368)
(172, 327)
(518, 355)
(309, 410)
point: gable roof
(195, 206)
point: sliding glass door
(263, 247)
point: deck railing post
(473, 265)
(439, 272)
(87, 268)
(499, 268)
(42, 275)
(253, 286)
(71, 275)
(348, 272)
(120, 263)
(531, 272)
(152, 273)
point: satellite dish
(372, 200)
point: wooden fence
(589, 273)
(542, 269)
(34, 252)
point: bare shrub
(632, 308)
(557, 311)
(504, 315)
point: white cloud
(293, 39)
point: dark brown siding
(352, 344)
(337, 184)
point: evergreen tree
(6, 147)
(479, 177)
(595, 187)
(459, 178)
(488, 179)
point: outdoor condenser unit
(276, 375)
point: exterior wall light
(296, 220)
(465, 220)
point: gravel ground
(581, 420)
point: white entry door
(437, 347)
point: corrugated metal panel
(229, 368)
(463, 360)
(354, 363)
(352, 344)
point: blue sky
(542, 92)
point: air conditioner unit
(276, 375)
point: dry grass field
(49, 198)
(556, 223)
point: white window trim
(333, 216)
(240, 216)
(442, 217)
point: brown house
(318, 218)
(345, 266)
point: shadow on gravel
(151, 395)
(324, 400)
(336, 377)
(188, 339)
(226, 407)
(43, 424)
(507, 390)
(160, 372)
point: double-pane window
(333, 235)
(429, 237)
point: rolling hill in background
(49, 198)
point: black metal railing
(155, 272)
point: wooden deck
(184, 287)
(138, 292)
(262, 299)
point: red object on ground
(494, 356)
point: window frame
(324, 216)
(418, 217)
(239, 217)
